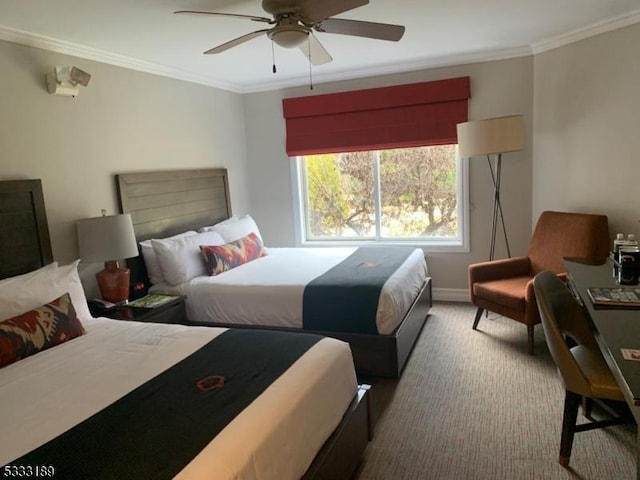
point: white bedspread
(269, 291)
(276, 437)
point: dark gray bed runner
(157, 429)
(345, 299)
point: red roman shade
(401, 116)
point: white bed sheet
(269, 291)
(275, 437)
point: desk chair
(583, 370)
(505, 286)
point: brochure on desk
(620, 297)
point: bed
(124, 377)
(167, 203)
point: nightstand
(173, 311)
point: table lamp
(492, 136)
(108, 239)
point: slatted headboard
(25, 244)
(164, 203)
(167, 202)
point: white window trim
(433, 246)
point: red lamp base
(113, 282)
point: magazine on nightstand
(152, 301)
(615, 296)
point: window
(405, 195)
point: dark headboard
(25, 244)
(168, 202)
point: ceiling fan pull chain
(310, 74)
(273, 58)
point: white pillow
(236, 230)
(34, 289)
(180, 258)
(149, 254)
(211, 228)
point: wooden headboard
(168, 202)
(25, 244)
(172, 201)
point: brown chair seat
(504, 286)
(506, 292)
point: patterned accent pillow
(220, 258)
(38, 329)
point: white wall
(497, 88)
(587, 132)
(124, 121)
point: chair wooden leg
(587, 407)
(569, 418)
(477, 319)
(530, 339)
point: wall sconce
(65, 81)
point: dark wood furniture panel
(169, 202)
(376, 355)
(24, 236)
(341, 453)
(171, 312)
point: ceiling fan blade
(381, 31)
(315, 51)
(317, 10)
(247, 17)
(236, 41)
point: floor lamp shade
(490, 136)
(109, 239)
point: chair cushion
(508, 292)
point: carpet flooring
(474, 405)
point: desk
(614, 328)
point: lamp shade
(106, 238)
(492, 135)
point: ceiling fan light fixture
(289, 36)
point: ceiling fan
(295, 20)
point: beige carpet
(474, 405)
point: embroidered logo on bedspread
(220, 258)
(369, 264)
(38, 329)
(212, 382)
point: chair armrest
(498, 269)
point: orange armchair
(506, 286)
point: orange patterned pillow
(38, 329)
(220, 258)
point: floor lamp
(492, 137)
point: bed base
(341, 454)
(373, 355)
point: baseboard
(451, 294)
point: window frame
(458, 244)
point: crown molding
(60, 46)
(436, 62)
(586, 32)
(89, 53)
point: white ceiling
(146, 35)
